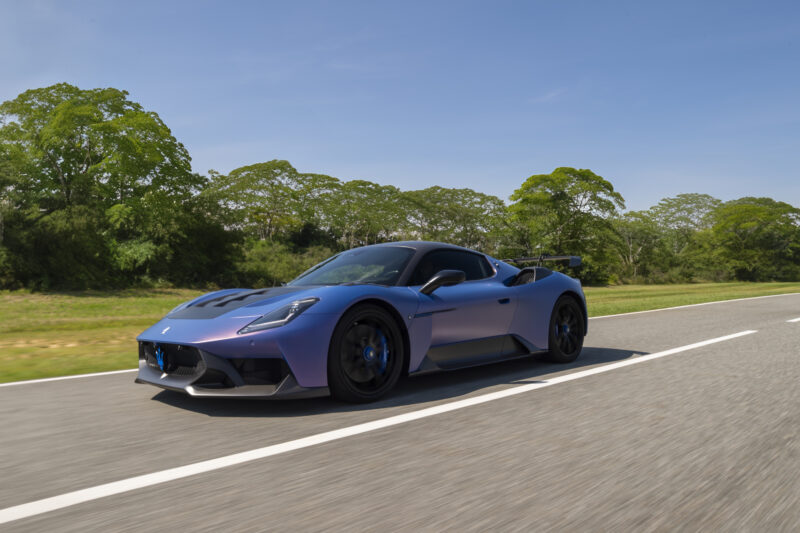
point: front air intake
(172, 359)
(257, 371)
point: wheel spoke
(362, 355)
(567, 336)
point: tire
(365, 357)
(565, 339)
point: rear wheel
(566, 331)
(365, 356)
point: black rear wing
(574, 260)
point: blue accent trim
(160, 357)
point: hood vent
(224, 304)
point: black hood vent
(223, 304)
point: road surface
(696, 436)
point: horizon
(659, 100)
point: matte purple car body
(485, 320)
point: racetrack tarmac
(707, 438)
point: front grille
(176, 359)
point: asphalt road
(704, 439)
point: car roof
(423, 246)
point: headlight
(280, 316)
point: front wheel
(566, 331)
(365, 356)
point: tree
(96, 185)
(361, 212)
(688, 211)
(756, 239)
(269, 263)
(80, 147)
(567, 212)
(6, 187)
(639, 243)
(259, 196)
(681, 218)
(459, 216)
(312, 196)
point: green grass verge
(629, 298)
(45, 335)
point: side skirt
(475, 353)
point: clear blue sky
(658, 97)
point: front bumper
(199, 373)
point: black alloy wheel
(566, 331)
(366, 355)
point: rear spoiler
(574, 260)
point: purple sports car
(353, 324)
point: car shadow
(411, 391)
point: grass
(44, 335)
(629, 298)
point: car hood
(217, 304)
(220, 315)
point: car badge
(166, 329)
(160, 357)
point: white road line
(696, 305)
(794, 320)
(26, 510)
(61, 378)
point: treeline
(96, 192)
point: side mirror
(443, 278)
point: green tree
(567, 212)
(688, 212)
(272, 199)
(98, 186)
(639, 245)
(362, 212)
(59, 250)
(80, 147)
(270, 263)
(260, 196)
(6, 187)
(458, 216)
(682, 220)
(756, 239)
(313, 196)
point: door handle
(504, 300)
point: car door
(470, 320)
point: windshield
(381, 265)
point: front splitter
(287, 389)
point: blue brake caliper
(384, 356)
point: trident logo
(160, 357)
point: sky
(659, 98)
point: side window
(473, 265)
